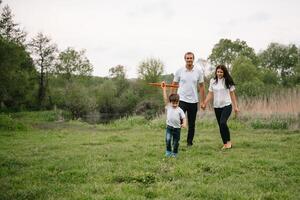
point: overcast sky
(128, 31)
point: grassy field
(48, 159)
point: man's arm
(201, 92)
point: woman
(221, 89)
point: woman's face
(220, 73)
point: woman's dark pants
(222, 115)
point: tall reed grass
(282, 102)
(278, 109)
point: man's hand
(203, 106)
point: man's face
(189, 59)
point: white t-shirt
(188, 84)
(174, 116)
(221, 93)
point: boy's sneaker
(168, 153)
(174, 155)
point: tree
(226, 51)
(72, 62)
(282, 59)
(150, 70)
(9, 29)
(269, 77)
(118, 75)
(247, 77)
(43, 53)
(17, 74)
(117, 72)
(296, 78)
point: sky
(127, 32)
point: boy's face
(175, 104)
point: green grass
(125, 160)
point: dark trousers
(191, 110)
(172, 133)
(222, 115)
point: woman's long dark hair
(228, 79)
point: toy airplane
(167, 85)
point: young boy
(175, 121)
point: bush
(78, 101)
(271, 124)
(148, 108)
(129, 122)
(250, 89)
(8, 123)
(41, 116)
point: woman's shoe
(228, 145)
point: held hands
(203, 105)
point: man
(191, 81)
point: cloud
(152, 9)
(126, 32)
(257, 17)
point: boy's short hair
(174, 97)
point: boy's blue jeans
(172, 133)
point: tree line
(36, 75)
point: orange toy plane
(167, 85)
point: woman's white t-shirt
(221, 92)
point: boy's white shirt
(174, 116)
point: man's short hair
(174, 97)
(189, 53)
